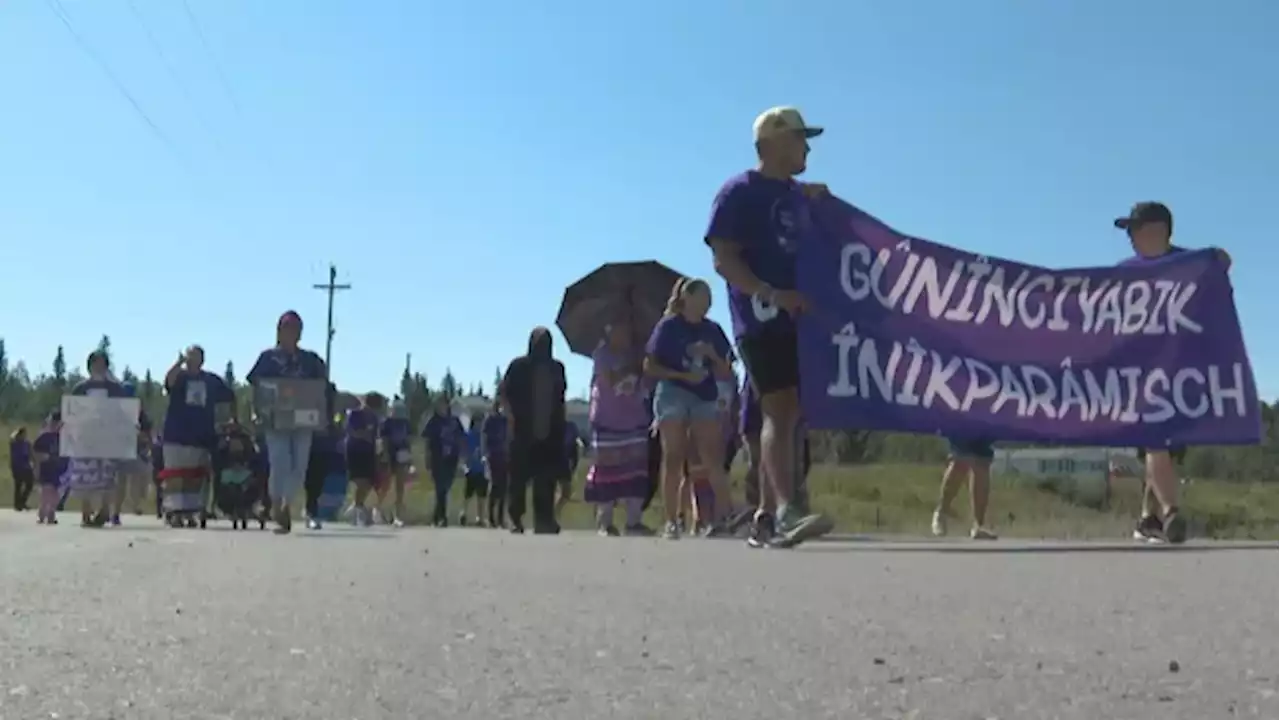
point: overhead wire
(56, 7)
(173, 72)
(213, 59)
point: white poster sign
(99, 427)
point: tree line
(25, 398)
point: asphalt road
(145, 622)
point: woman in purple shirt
(685, 355)
(24, 478)
(619, 471)
(49, 468)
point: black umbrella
(634, 291)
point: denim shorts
(971, 449)
(672, 402)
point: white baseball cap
(779, 120)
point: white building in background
(1091, 469)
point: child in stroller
(237, 489)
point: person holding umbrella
(619, 433)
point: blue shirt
(444, 435)
(767, 219)
(475, 457)
(674, 344)
(279, 363)
(191, 418)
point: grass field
(898, 499)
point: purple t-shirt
(191, 417)
(1143, 259)
(19, 454)
(279, 363)
(445, 436)
(50, 470)
(768, 219)
(395, 433)
(495, 435)
(674, 345)
(620, 405)
(361, 426)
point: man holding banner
(914, 336)
(1149, 226)
(758, 222)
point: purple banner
(914, 336)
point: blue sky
(462, 162)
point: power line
(213, 59)
(332, 287)
(55, 6)
(172, 71)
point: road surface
(145, 622)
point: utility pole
(332, 287)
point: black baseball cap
(1146, 212)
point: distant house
(1091, 469)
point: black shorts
(362, 463)
(772, 358)
(1177, 453)
(477, 485)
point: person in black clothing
(533, 394)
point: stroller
(237, 489)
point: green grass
(898, 499)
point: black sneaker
(1175, 527)
(1149, 529)
(762, 532)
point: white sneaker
(981, 533)
(375, 517)
(397, 523)
(939, 524)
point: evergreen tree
(60, 369)
(4, 366)
(148, 386)
(128, 376)
(229, 375)
(497, 380)
(449, 385)
(104, 347)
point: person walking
(685, 355)
(24, 476)
(494, 436)
(970, 458)
(446, 440)
(533, 393)
(397, 434)
(287, 450)
(619, 423)
(1149, 226)
(93, 480)
(50, 466)
(476, 491)
(758, 221)
(190, 434)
